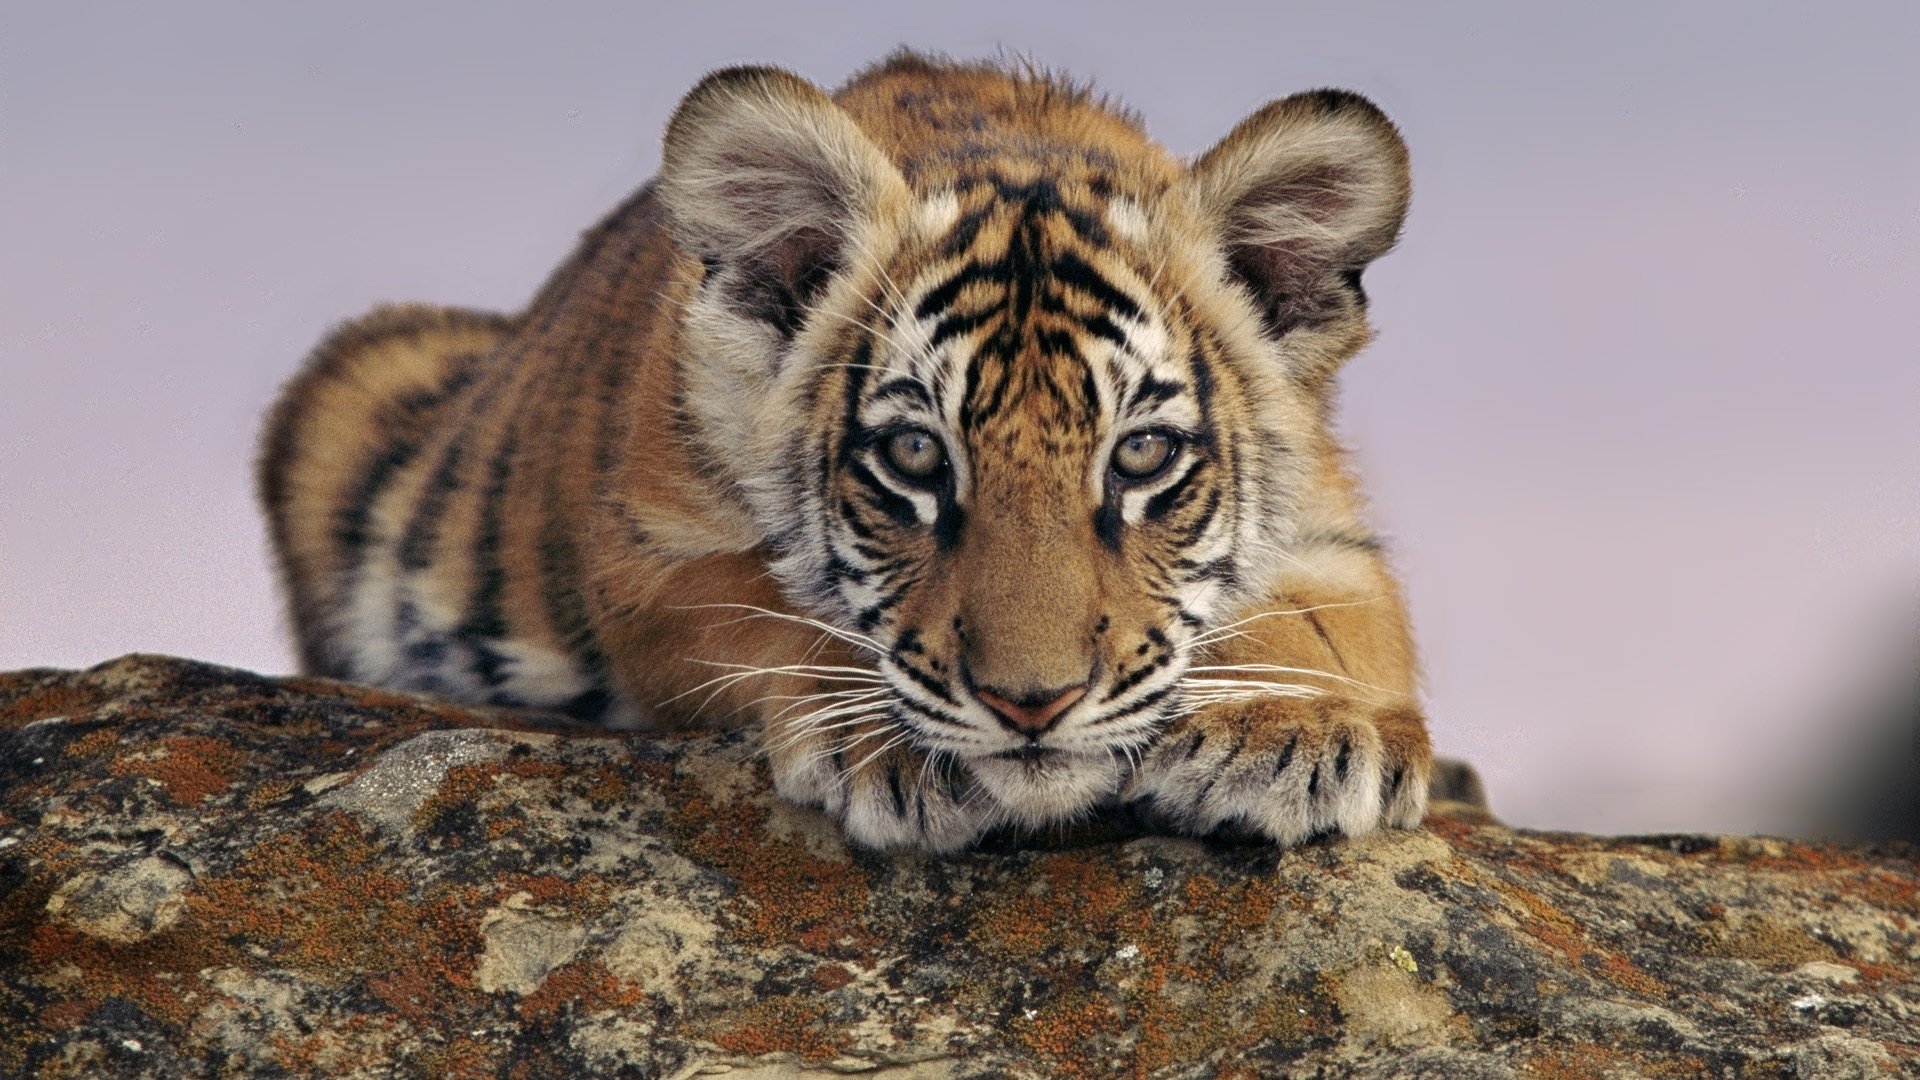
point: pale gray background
(1641, 418)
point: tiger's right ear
(763, 173)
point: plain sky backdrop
(1640, 422)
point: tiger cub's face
(1030, 431)
(1043, 480)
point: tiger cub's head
(1019, 398)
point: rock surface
(209, 873)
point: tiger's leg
(1298, 720)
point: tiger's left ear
(1306, 192)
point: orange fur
(678, 458)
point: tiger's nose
(1031, 714)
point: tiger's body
(948, 429)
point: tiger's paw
(1287, 769)
(886, 797)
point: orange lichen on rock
(1220, 1023)
(831, 976)
(465, 1057)
(23, 705)
(795, 1024)
(1068, 1032)
(189, 768)
(580, 986)
(160, 975)
(1076, 902)
(101, 740)
(1559, 931)
(336, 910)
(787, 894)
(579, 898)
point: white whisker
(799, 701)
(722, 683)
(1216, 633)
(848, 636)
(799, 732)
(843, 744)
(1279, 669)
(849, 674)
(883, 748)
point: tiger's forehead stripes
(1022, 301)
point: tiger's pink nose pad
(1035, 712)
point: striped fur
(947, 429)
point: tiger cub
(966, 442)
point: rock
(209, 873)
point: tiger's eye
(915, 454)
(1143, 454)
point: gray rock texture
(207, 873)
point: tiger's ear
(763, 174)
(1307, 192)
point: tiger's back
(672, 489)
(427, 474)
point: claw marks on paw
(1288, 769)
(885, 796)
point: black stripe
(567, 612)
(1053, 342)
(922, 709)
(1224, 568)
(903, 387)
(954, 325)
(1135, 678)
(1070, 270)
(1313, 620)
(869, 617)
(403, 415)
(1153, 390)
(1173, 495)
(885, 499)
(1201, 367)
(839, 569)
(965, 230)
(856, 376)
(851, 515)
(894, 789)
(1135, 709)
(486, 618)
(948, 522)
(1103, 327)
(941, 296)
(423, 528)
(1198, 527)
(1286, 755)
(351, 522)
(1107, 522)
(927, 682)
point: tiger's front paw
(1288, 768)
(885, 794)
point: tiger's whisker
(848, 636)
(1214, 633)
